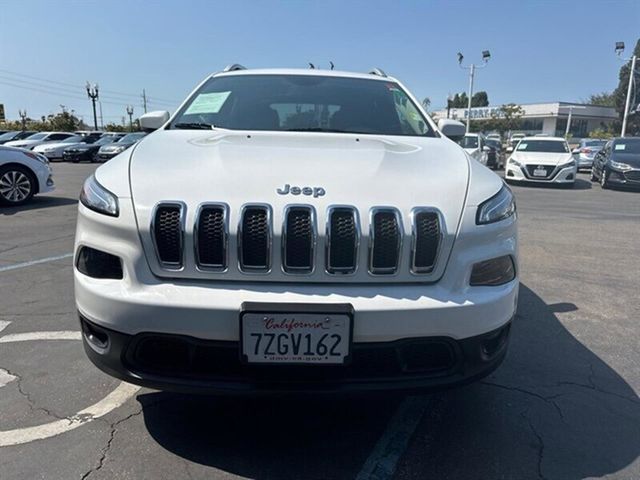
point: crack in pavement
(540, 443)
(113, 426)
(549, 400)
(30, 402)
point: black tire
(18, 185)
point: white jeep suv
(296, 230)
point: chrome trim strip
(170, 266)
(356, 218)
(205, 267)
(283, 241)
(372, 213)
(414, 236)
(260, 270)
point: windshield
(469, 141)
(493, 143)
(595, 143)
(8, 135)
(131, 137)
(627, 146)
(303, 103)
(36, 136)
(74, 139)
(106, 140)
(548, 146)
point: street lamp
(92, 93)
(130, 113)
(619, 51)
(486, 55)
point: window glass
(626, 146)
(311, 103)
(469, 141)
(549, 146)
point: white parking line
(17, 266)
(383, 460)
(5, 377)
(3, 324)
(27, 337)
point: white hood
(24, 143)
(542, 158)
(248, 167)
(55, 146)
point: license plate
(296, 337)
(539, 172)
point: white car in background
(22, 175)
(474, 145)
(53, 150)
(38, 139)
(296, 230)
(542, 160)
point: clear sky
(541, 50)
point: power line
(65, 87)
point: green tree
(507, 118)
(602, 99)
(480, 99)
(620, 95)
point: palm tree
(426, 102)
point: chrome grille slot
(167, 231)
(385, 241)
(254, 239)
(343, 239)
(426, 240)
(211, 237)
(298, 239)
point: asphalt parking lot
(564, 405)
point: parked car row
(488, 151)
(77, 146)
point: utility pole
(130, 113)
(486, 55)
(101, 119)
(23, 118)
(92, 93)
(632, 72)
(144, 100)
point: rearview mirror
(153, 120)
(452, 129)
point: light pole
(568, 128)
(619, 50)
(449, 101)
(23, 118)
(130, 113)
(486, 55)
(92, 93)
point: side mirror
(153, 120)
(452, 129)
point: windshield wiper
(194, 126)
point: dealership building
(545, 118)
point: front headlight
(619, 165)
(502, 205)
(572, 163)
(97, 198)
(513, 161)
(118, 149)
(37, 156)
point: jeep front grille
(298, 239)
(343, 239)
(385, 241)
(426, 240)
(214, 246)
(211, 233)
(254, 238)
(167, 228)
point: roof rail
(378, 71)
(234, 67)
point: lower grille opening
(193, 359)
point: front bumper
(190, 365)
(567, 175)
(102, 156)
(627, 178)
(78, 156)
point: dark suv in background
(618, 163)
